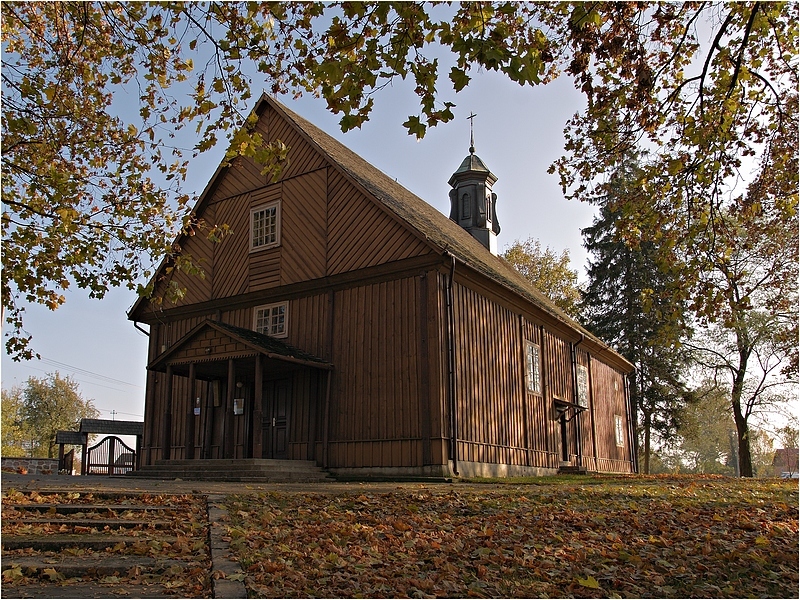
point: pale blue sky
(518, 134)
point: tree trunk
(745, 459)
(742, 431)
(647, 423)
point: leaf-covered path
(582, 537)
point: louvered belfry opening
(472, 202)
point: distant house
(785, 462)
(346, 321)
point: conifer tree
(629, 303)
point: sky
(518, 134)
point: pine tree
(629, 303)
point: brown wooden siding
(244, 174)
(376, 382)
(240, 177)
(489, 375)
(230, 254)
(360, 234)
(303, 157)
(304, 215)
(608, 389)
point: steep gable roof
(436, 228)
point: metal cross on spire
(471, 118)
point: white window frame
(533, 368)
(619, 430)
(276, 205)
(582, 380)
(273, 311)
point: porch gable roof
(244, 339)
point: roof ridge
(436, 227)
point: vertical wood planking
(377, 386)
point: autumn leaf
(589, 582)
(53, 574)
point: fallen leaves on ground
(599, 537)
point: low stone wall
(33, 466)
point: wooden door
(275, 418)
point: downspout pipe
(578, 445)
(631, 426)
(451, 366)
(144, 331)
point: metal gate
(111, 456)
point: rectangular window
(271, 319)
(619, 430)
(583, 386)
(265, 226)
(533, 372)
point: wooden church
(346, 321)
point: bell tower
(472, 203)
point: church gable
(321, 221)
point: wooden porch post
(228, 418)
(258, 398)
(188, 443)
(327, 422)
(212, 389)
(166, 438)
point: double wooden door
(275, 418)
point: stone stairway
(99, 545)
(252, 470)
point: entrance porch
(223, 392)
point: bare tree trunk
(742, 431)
(745, 458)
(647, 423)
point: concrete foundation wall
(465, 469)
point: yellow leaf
(761, 541)
(53, 574)
(589, 582)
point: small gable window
(271, 319)
(265, 226)
(619, 430)
(533, 370)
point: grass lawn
(636, 536)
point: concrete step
(79, 566)
(84, 541)
(573, 470)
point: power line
(80, 380)
(119, 412)
(88, 373)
